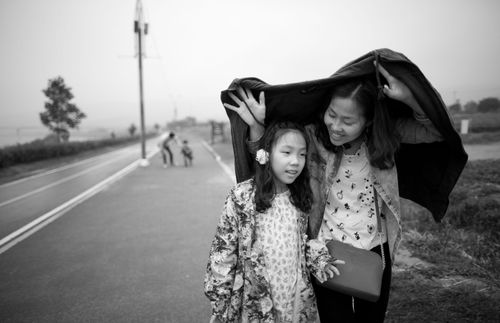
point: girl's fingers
(339, 262)
(235, 98)
(231, 107)
(248, 93)
(261, 97)
(242, 93)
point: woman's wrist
(255, 132)
(413, 104)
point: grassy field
(483, 127)
(460, 280)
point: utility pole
(141, 29)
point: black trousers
(337, 307)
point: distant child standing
(187, 154)
(257, 268)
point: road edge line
(24, 232)
(224, 166)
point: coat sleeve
(317, 257)
(417, 130)
(221, 267)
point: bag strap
(379, 226)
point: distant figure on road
(187, 153)
(262, 230)
(165, 149)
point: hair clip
(262, 156)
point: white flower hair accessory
(262, 156)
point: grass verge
(461, 282)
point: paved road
(135, 252)
(25, 200)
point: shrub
(45, 149)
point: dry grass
(462, 283)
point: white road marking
(55, 170)
(19, 235)
(43, 188)
(225, 167)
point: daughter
(257, 269)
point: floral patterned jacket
(236, 281)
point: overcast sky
(195, 48)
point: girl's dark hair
(382, 140)
(300, 191)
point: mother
(353, 159)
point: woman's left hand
(395, 89)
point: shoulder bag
(361, 275)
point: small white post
(464, 126)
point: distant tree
(489, 105)
(456, 107)
(470, 107)
(132, 129)
(60, 114)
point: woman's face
(344, 120)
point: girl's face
(344, 120)
(288, 157)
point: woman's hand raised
(397, 90)
(251, 111)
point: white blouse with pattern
(350, 209)
(278, 235)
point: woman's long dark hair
(381, 138)
(265, 190)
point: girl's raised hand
(253, 112)
(396, 89)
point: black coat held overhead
(426, 172)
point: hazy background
(195, 48)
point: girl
(350, 160)
(256, 270)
